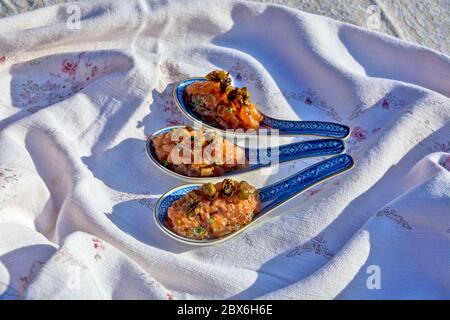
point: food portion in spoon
(197, 153)
(220, 104)
(214, 210)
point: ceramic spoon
(271, 196)
(289, 152)
(285, 127)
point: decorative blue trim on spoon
(317, 128)
(280, 191)
(293, 151)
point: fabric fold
(77, 190)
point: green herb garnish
(200, 230)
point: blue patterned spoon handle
(298, 150)
(305, 178)
(318, 128)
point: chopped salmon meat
(214, 210)
(221, 105)
(197, 153)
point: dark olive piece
(239, 94)
(217, 76)
(228, 187)
(222, 77)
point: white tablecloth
(77, 190)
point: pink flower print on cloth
(46, 81)
(99, 247)
(359, 134)
(69, 66)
